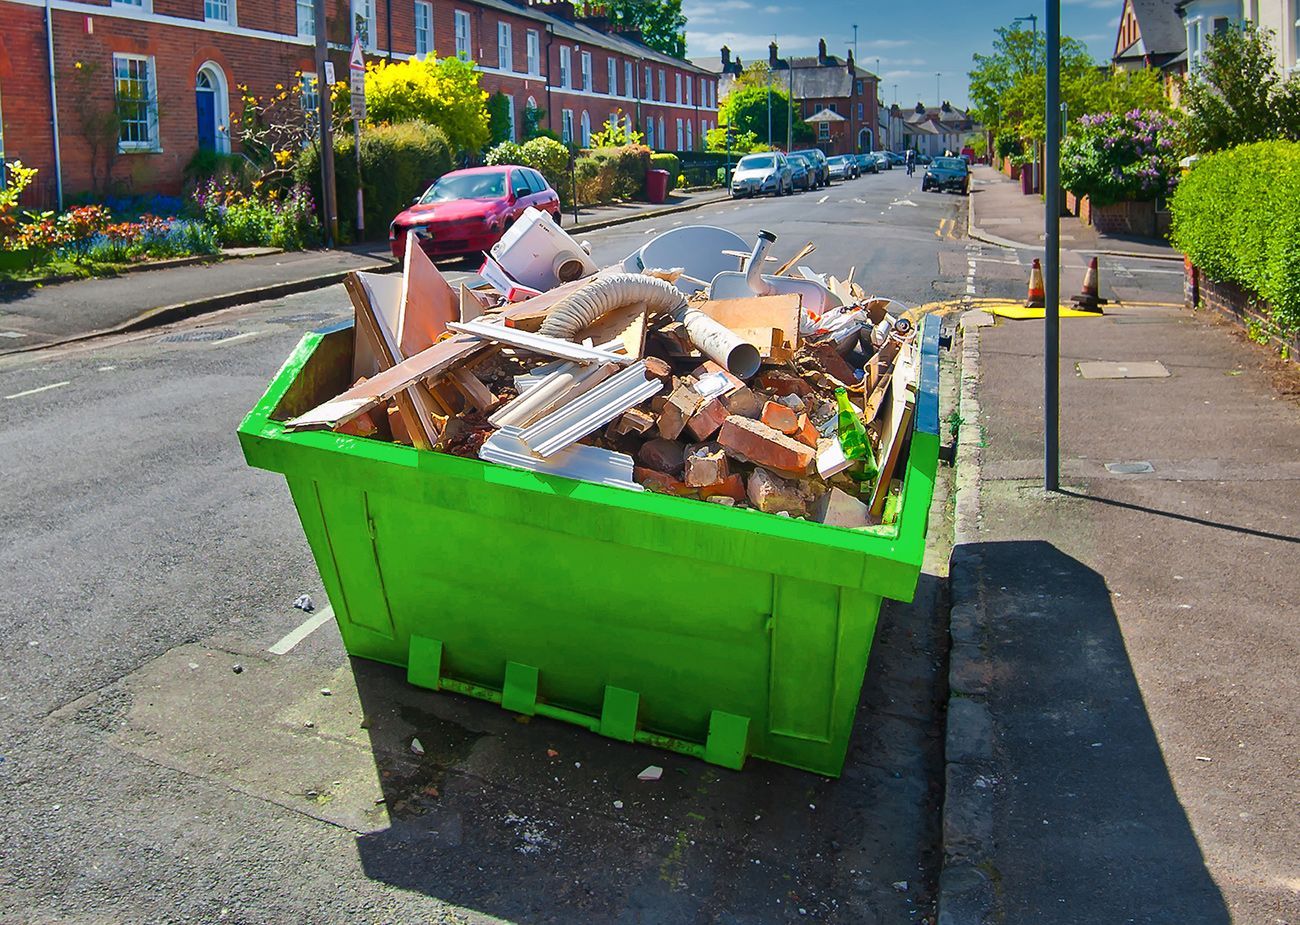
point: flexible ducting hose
(604, 294)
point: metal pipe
(1052, 246)
(54, 107)
(754, 269)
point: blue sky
(913, 40)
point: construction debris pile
(685, 370)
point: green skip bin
(711, 631)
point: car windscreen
(950, 163)
(466, 186)
(756, 162)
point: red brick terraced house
(180, 63)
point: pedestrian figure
(910, 159)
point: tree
(498, 110)
(1237, 97)
(746, 110)
(661, 22)
(441, 91)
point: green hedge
(397, 163)
(1236, 215)
(669, 162)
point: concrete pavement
(1121, 729)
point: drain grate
(185, 337)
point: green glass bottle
(852, 433)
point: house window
(663, 134)
(823, 131)
(586, 71)
(216, 10)
(510, 116)
(611, 67)
(138, 4)
(136, 91)
(833, 108)
(680, 136)
(690, 135)
(586, 129)
(505, 47)
(534, 53)
(860, 111)
(1220, 25)
(462, 35)
(663, 86)
(309, 100)
(306, 18)
(363, 18)
(647, 89)
(627, 78)
(566, 66)
(423, 28)
(859, 85)
(566, 125)
(689, 83)
(650, 133)
(677, 95)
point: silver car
(756, 174)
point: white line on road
(12, 335)
(304, 629)
(105, 369)
(234, 337)
(44, 388)
(823, 199)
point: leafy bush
(270, 219)
(498, 113)
(617, 132)
(669, 162)
(440, 91)
(18, 178)
(1236, 215)
(398, 162)
(626, 166)
(506, 152)
(1114, 158)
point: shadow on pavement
(1087, 825)
(537, 821)
(1183, 518)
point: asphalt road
(144, 779)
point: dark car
(467, 211)
(895, 158)
(923, 159)
(947, 173)
(801, 172)
(843, 166)
(821, 168)
(866, 163)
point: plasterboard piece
(540, 343)
(591, 411)
(581, 462)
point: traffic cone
(1089, 299)
(1037, 298)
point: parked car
(947, 173)
(801, 172)
(756, 174)
(882, 161)
(866, 163)
(923, 159)
(821, 168)
(895, 158)
(842, 167)
(467, 211)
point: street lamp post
(1052, 248)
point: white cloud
(751, 46)
(883, 43)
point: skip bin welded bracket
(618, 713)
(424, 662)
(519, 692)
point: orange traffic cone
(1037, 298)
(1089, 299)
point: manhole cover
(1137, 369)
(182, 337)
(1130, 468)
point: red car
(467, 211)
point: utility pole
(769, 105)
(329, 193)
(1052, 246)
(938, 94)
(789, 110)
(855, 41)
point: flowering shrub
(1114, 158)
(18, 179)
(275, 218)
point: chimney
(561, 9)
(726, 59)
(946, 107)
(821, 51)
(920, 108)
(851, 69)
(771, 54)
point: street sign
(357, 83)
(329, 74)
(357, 59)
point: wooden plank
(626, 325)
(478, 395)
(897, 434)
(804, 252)
(427, 302)
(880, 364)
(753, 318)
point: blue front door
(205, 103)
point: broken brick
(781, 383)
(743, 402)
(656, 368)
(664, 455)
(677, 410)
(705, 422)
(772, 494)
(633, 419)
(706, 465)
(829, 360)
(780, 417)
(754, 441)
(709, 368)
(733, 487)
(660, 482)
(805, 433)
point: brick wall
(1238, 305)
(1137, 218)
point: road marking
(856, 199)
(650, 231)
(234, 337)
(13, 335)
(105, 369)
(44, 388)
(823, 199)
(303, 630)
